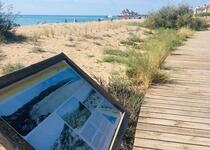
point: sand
(81, 42)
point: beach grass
(144, 64)
(38, 50)
(9, 68)
(132, 40)
(143, 68)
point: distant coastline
(25, 20)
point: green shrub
(175, 17)
(8, 68)
(184, 20)
(6, 20)
(199, 24)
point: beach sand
(84, 43)
(81, 42)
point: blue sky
(92, 7)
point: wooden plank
(181, 91)
(193, 140)
(176, 123)
(165, 145)
(183, 103)
(175, 112)
(177, 99)
(179, 96)
(173, 130)
(180, 87)
(190, 82)
(178, 107)
(175, 117)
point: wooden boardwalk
(176, 116)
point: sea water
(41, 19)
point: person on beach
(75, 20)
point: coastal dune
(82, 42)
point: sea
(25, 20)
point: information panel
(60, 108)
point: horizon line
(68, 15)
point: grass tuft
(115, 59)
(8, 68)
(132, 40)
(37, 50)
(35, 38)
(113, 51)
(71, 39)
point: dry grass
(37, 50)
(8, 68)
(144, 67)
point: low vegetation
(8, 68)
(114, 52)
(37, 50)
(203, 15)
(6, 21)
(35, 38)
(144, 64)
(132, 40)
(175, 18)
(144, 59)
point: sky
(92, 7)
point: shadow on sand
(11, 37)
